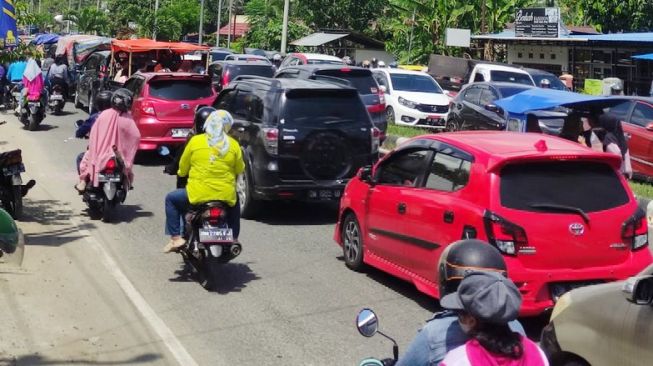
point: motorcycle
(12, 189)
(110, 192)
(32, 113)
(209, 239)
(57, 100)
(368, 325)
(13, 95)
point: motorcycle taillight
(213, 215)
(111, 166)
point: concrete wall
(361, 55)
(537, 54)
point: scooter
(110, 192)
(368, 325)
(12, 189)
(56, 101)
(32, 113)
(209, 239)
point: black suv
(358, 77)
(223, 72)
(302, 139)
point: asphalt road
(287, 300)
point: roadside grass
(643, 190)
(406, 131)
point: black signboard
(537, 22)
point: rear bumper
(155, 133)
(534, 284)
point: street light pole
(231, 5)
(284, 30)
(156, 9)
(217, 34)
(201, 22)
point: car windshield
(313, 108)
(415, 83)
(180, 89)
(362, 81)
(511, 77)
(509, 91)
(554, 82)
(584, 185)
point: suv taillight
(635, 230)
(376, 139)
(509, 238)
(271, 140)
(225, 79)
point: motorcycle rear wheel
(14, 204)
(107, 208)
(33, 122)
(210, 269)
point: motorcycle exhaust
(236, 249)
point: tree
(186, 13)
(124, 12)
(610, 16)
(89, 20)
(357, 15)
(265, 21)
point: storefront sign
(537, 22)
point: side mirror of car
(639, 290)
(493, 108)
(365, 175)
(649, 126)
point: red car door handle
(401, 208)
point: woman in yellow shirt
(212, 162)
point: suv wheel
(453, 125)
(244, 190)
(390, 115)
(352, 242)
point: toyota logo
(577, 229)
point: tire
(107, 209)
(14, 204)
(390, 115)
(452, 125)
(33, 122)
(352, 242)
(78, 104)
(209, 277)
(244, 188)
(58, 108)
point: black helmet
(121, 100)
(103, 100)
(201, 114)
(464, 256)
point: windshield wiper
(555, 206)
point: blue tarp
(8, 31)
(46, 39)
(538, 99)
(648, 56)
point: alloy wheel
(352, 243)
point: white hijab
(216, 126)
(32, 70)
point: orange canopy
(145, 44)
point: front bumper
(413, 117)
(305, 192)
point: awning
(318, 39)
(648, 56)
(145, 45)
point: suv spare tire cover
(325, 156)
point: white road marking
(167, 336)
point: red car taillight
(147, 109)
(635, 230)
(509, 238)
(271, 140)
(376, 108)
(111, 166)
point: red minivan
(561, 214)
(164, 105)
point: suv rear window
(361, 80)
(257, 70)
(180, 89)
(312, 108)
(589, 186)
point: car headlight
(407, 103)
(563, 303)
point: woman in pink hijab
(114, 133)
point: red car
(164, 105)
(561, 214)
(637, 122)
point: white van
(490, 72)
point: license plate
(324, 194)
(434, 120)
(180, 132)
(560, 288)
(113, 178)
(56, 97)
(13, 170)
(216, 235)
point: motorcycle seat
(10, 155)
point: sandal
(174, 245)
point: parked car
(295, 59)
(608, 324)
(500, 73)
(91, 78)
(219, 53)
(636, 115)
(164, 105)
(538, 76)
(246, 57)
(302, 139)
(562, 215)
(474, 108)
(413, 98)
(357, 77)
(223, 72)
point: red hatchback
(560, 213)
(164, 105)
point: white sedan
(413, 98)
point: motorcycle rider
(212, 161)
(102, 102)
(58, 75)
(443, 332)
(114, 134)
(33, 83)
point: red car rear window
(180, 89)
(543, 186)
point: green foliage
(642, 190)
(89, 20)
(357, 15)
(610, 15)
(186, 15)
(26, 50)
(265, 17)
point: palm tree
(89, 20)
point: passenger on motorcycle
(443, 332)
(212, 161)
(114, 134)
(33, 84)
(58, 75)
(102, 102)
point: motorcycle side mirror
(367, 323)
(163, 151)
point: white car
(295, 59)
(413, 98)
(500, 73)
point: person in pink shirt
(486, 302)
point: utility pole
(217, 34)
(231, 5)
(201, 22)
(410, 41)
(284, 30)
(156, 9)
(70, 5)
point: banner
(537, 22)
(8, 31)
